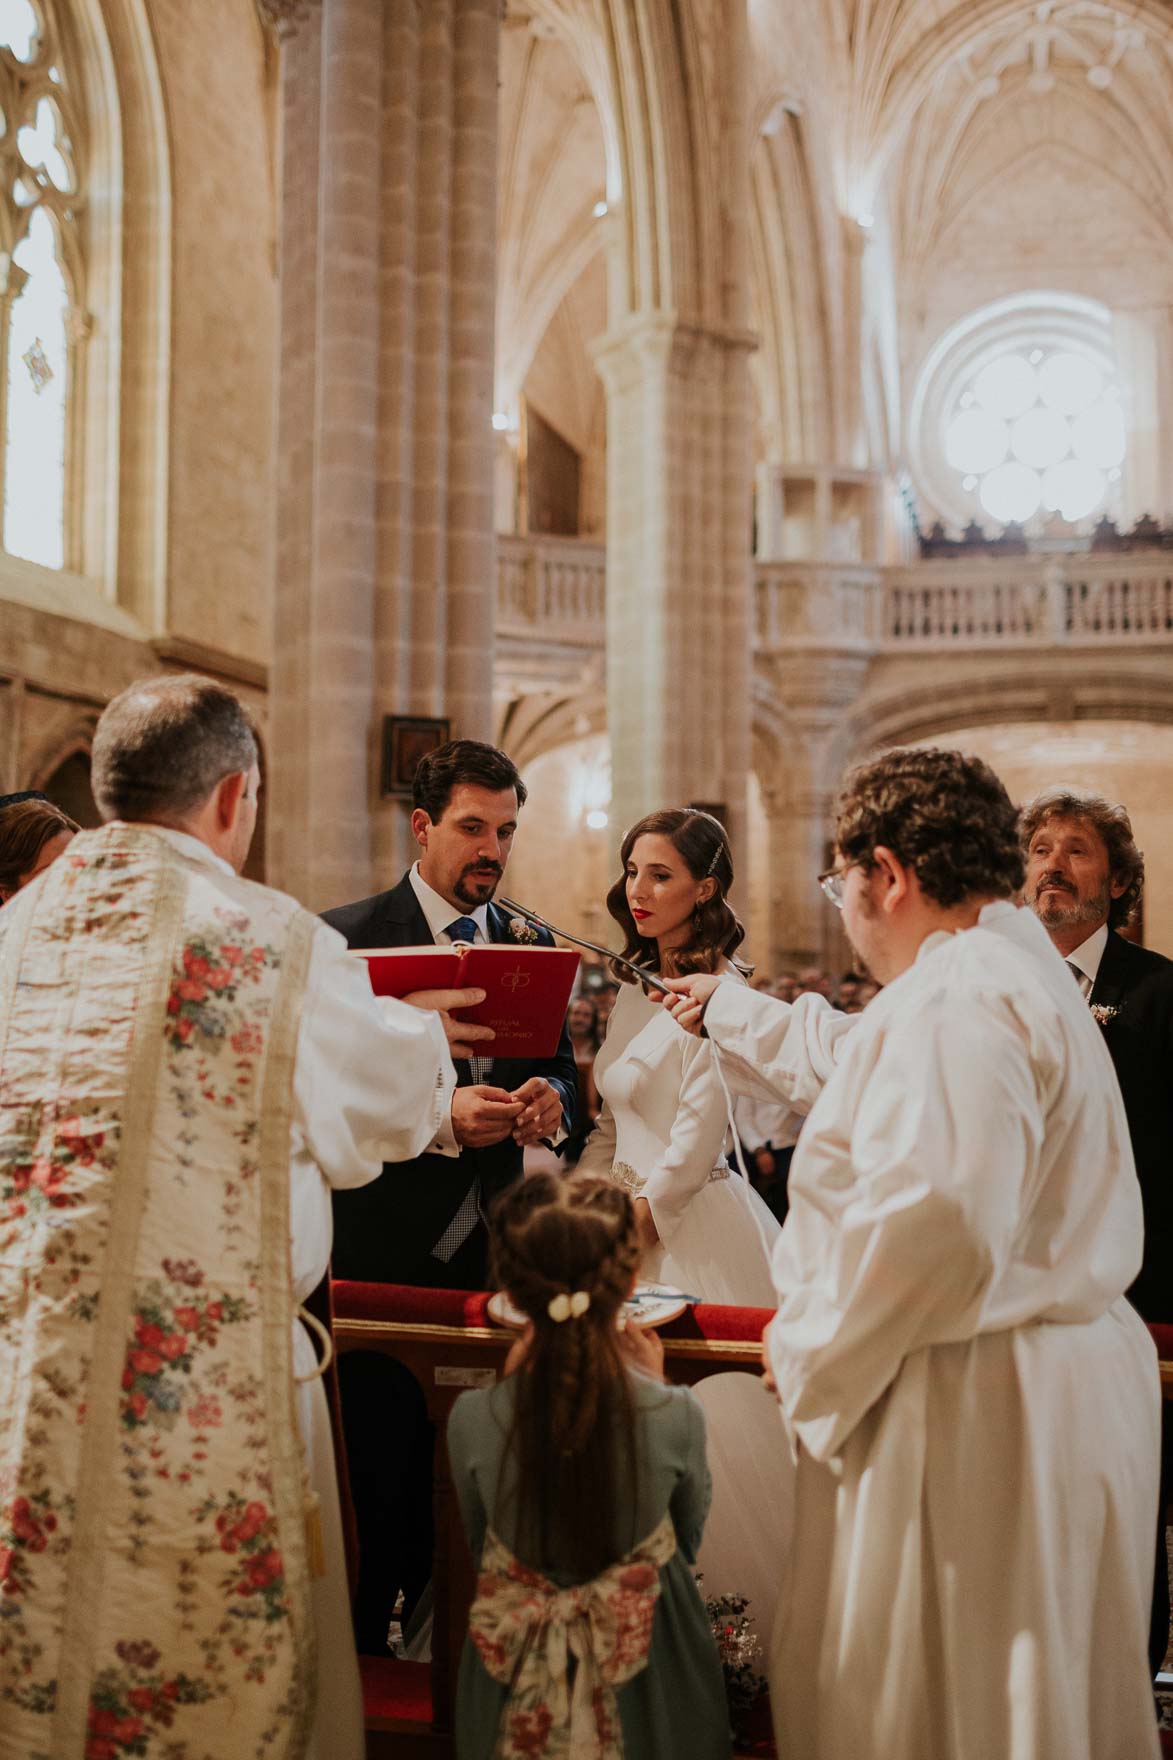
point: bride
(661, 1133)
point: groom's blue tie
(465, 1220)
(465, 929)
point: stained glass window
(38, 373)
(40, 299)
(1044, 431)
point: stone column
(386, 560)
(679, 484)
(1144, 356)
(852, 441)
(799, 816)
(818, 682)
(770, 510)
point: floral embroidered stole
(153, 1576)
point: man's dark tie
(463, 929)
(1081, 978)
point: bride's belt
(623, 1174)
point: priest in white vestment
(974, 1405)
(188, 1063)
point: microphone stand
(637, 972)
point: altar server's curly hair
(1112, 826)
(572, 1446)
(943, 814)
(716, 930)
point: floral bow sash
(526, 1630)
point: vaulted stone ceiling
(997, 145)
(1051, 129)
(552, 177)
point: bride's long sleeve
(698, 1137)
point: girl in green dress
(584, 1490)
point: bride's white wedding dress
(662, 1134)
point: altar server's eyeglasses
(833, 882)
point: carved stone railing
(1120, 599)
(979, 604)
(552, 591)
(1019, 602)
(816, 605)
(553, 588)
(1030, 601)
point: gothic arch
(912, 60)
(652, 73)
(70, 738)
(129, 513)
(552, 170)
(788, 259)
(1072, 686)
(530, 726)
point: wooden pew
(448, 1343)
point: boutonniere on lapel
(1103, 1012)
(522, 932)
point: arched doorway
(68, 787)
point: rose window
(1043, 430)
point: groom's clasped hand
(482, 1114)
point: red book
(527, 988)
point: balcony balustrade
(552, 591)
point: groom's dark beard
(483, 871)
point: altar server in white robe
(188, 1063)
(974, 1405)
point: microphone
(637, 972)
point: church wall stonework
(212, 61)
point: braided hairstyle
(573, 1436)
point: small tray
(651, 1304)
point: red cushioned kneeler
(395, 1692)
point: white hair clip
(568, 1307)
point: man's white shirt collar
(439, 914)
(1089, 953)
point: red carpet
(395, 1692)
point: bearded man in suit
(423, 1223)
(1084, 881)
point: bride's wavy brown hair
(573, 1435)
(717, 932)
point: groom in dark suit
(1084, 880)
(423, 1222)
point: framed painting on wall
(407, 739)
